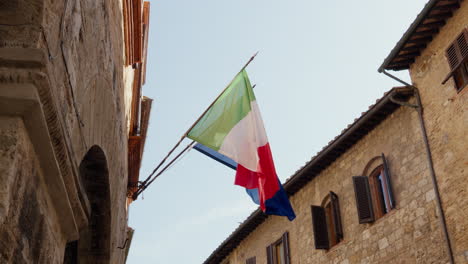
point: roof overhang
(420, 34)
(338, 146)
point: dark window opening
(460, 76)
(71, 253)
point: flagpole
(144, 183)
(214, 101)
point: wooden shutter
(363, 199)
(388, 181)
(457, 53)
(137, 30)
(336, 216)
(458, 50)
(269, 251)
(285, 239)
(319, 224)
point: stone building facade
(408, 205)
(71, 110)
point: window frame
(460, 76)
(272, 257)
(379, 192)
(326, 222)
(374, 197)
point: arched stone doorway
(94, 243)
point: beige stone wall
(29, 227)
(446, 115)
(71, 53)
(410, 233)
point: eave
(420, 33)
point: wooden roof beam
(413, 48)
(433, 25)
(448, 7)
(426, 33)
(399, 68)
(440, 16)
(409, 55)
(419, 40)
(401, 63)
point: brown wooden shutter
(462, 41)
(458, 50)
(457, 53)
(336, 216)
(285, 239)
(363, 199)
(319, 224)
(269, 251)
(388, 181)
(452, 56)
(137, 30)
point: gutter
(419, 109)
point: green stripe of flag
(231, 107)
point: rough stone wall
(84, 93)
(27, 221)
(446, 116)
(410, 233)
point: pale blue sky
(315, 73)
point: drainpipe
(419, 109)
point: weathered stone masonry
(66, 98)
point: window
(251, 260)
(326, 222)
(374, 195)
(379, 191)
(457, 56)
(278, 252)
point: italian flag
(233, 127)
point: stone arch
(93, 245)
(372, 164)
